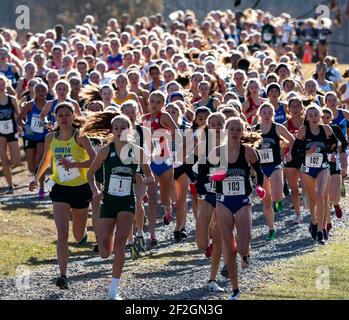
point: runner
(9, 113)
(233, 196)
(35, 132)
(119, 160)
(71, 154)
(292, 169)
(313, 142)
(253, 100)
(270, 157)
(161, 125)
(180, 177)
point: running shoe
(62, 282)
(42, 194)
(338, 210)
(114, 296)
(183, 233)
(324, 231)
(9, 190)
(320, 237)
(329, 227)
(177, 236)
(278, 206)
(153, 242)
(214, 287)
(313, 230)
(271, 235)
(83, 241)
(343, 190)
(133, 251)
(167, 217)
(224, 272)
(95, 249)
(297, 220)
(208, 251)
(235, 295)
(140, 244)
(245, 262)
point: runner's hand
(98, 196)
(67, 164)
(148, 180)
(33, 185)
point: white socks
(114, 287)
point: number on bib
(234, 186)
(211, 186)
(156, 146)
(266, 155)
(119, 186)
(68, 174)
(314, 160)
(6, 127)
(37, 125)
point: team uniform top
(319, 158)
(238, 179)
(269, 150)
(34, 128)
(70, 150)
(119, 177)
(7, 118)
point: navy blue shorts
(210, 197)
(234, 203)
(268, 170)
(160, 168)
(313, 172)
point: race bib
(68, 174)
(267, 37)
(211, 186)
(119, 186)
(234, 186)
(266, 155)
(37, 125)
(6, 127)
(314, 160)
(156, 146)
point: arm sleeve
(260, 176)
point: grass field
(320, 275)
(308, 69)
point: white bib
(211, 186)
(234, 186)
(314, 160)
(266, 155)
(119, 186)
(6, 127)
(156, 146)
(68, 174)
(37, 125)
(267, 36)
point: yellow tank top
(119, 102)
(73, 152)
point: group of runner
(186, 111)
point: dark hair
(199, 111)
(273, 86)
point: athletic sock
(114, 286)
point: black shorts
(334, 169)
(293, 165)
(30, 144)
(10, 137)
(177, 172)
(99, 175)
(77, 197)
